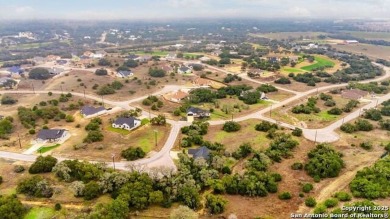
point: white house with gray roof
(52, 135)
(126, 123)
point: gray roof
(128, 121)
(196, 110)
(90, 110)
(125, 73)
(48, 134)
(184, 68)
(202, 152)
(55, 70)
(132, 56)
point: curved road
(162, 158)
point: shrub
(297, 132)
(19, 168)
(330, 203)
(320, 209)
(69, 118)
(94, 136)
(133, 153)
(283, 80)
(8, 100)
(43, 165)
(297, 166)
(307, 187)
(91, 190)
(101, 72)
(1, 179)
(343, 196)
(366, 145)
(363, 125)
(310, 202)
(348, 128)
(31, 131)
(285, 196)
(216, 204)
(231, 126)
(57, 206)
(335, 111)
(324, 162)
(39, 74)
(265, 126)
(35, 186)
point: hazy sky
(161, 9)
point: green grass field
(292, 70)
(147, 142)
(320, 62)
(154, 53)
(40, 213)
(45, 149)
(120, 131)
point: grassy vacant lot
(313, 120)
(372, 51)
(286, 35)
(45, 149)
(319, 62)
(40, 213)
(231, 140)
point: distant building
(216, 52)
(126, 123)
(167, 68)
(7, 82)
(202, 152)
(124, 74)
(144, 58)
(171, 56)
(61, 62)
(51, 58)
(204, 59)
(39, 60)
(178, 96)
(15, 70)
(351, 42)
(90, 111)
(197, 112)
(51, 135)
(354, 94)
(55, 70)
(99, 54)
(184, 70)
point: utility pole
(20, 143)
(33, 88)
(315, 138)
(84, 93)
(102, 101)
(343, 120)
(232, 117)
(376, 105)
(113, 160)
(62, 91)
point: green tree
(231, 126)
(8, 100)
(183, 212)
(101, 72)
(11, 207)
(310, 202)
(324, 162)
(91, 190)
(133, 153)
(39, 74)
(43, 164)
(216, 204)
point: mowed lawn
(232, 140)
(320, 62)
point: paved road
(162, 158)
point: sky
(177, 9)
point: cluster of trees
(194, 133)
(94, 132)
(230, 78)
(308, 78)
(158, 120)
(157, 72)
(281, 147)
(110, 88)
(39, 74)
(372, 182)
(265, 126)
(104, 62)
(43, 165)
(8, 100)
(359, 125)
(267, 65)
(324, 162)
(101, 72)
(204, 95)
(28, 117)
(153, 101)
(11, 207)
(309, 108)
(35, 186)
(6, 127)
(266, 88)
(370, 87)
(283, 80)
(133, 153)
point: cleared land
(372, 51)
(369, 35)
(286, 35)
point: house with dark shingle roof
(15, 70)
(126, 123)
(184, 70)
(202, 152)
(132, 56)
(197, 112)
(90, 111)
(51, 135)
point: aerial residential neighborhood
(194, 109)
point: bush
(133, 153)
(11, 207)
(297, 166)
(373, 114)
(324, 162)
(155, 72)
(310, 202)
(285, 196)
(35, 186)
(39, 74)
(335, 111)
(297, 132)
(320, 209)
(19, 168)
(330, 203)
(343, 196)
(265, 126)
(366, 145)
(307, 187)
(57, 206)
(8, 100)
(348, 128)
(31, 131)
(94, 136)
(283, 80)
(363, 125)
(216, 204)
(91, 190)
(231, 126)
(1, 179)
(43, 165)
(101, 72)
(69, 118)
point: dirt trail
(48, 204)
(342, 182)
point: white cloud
(298, 12)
